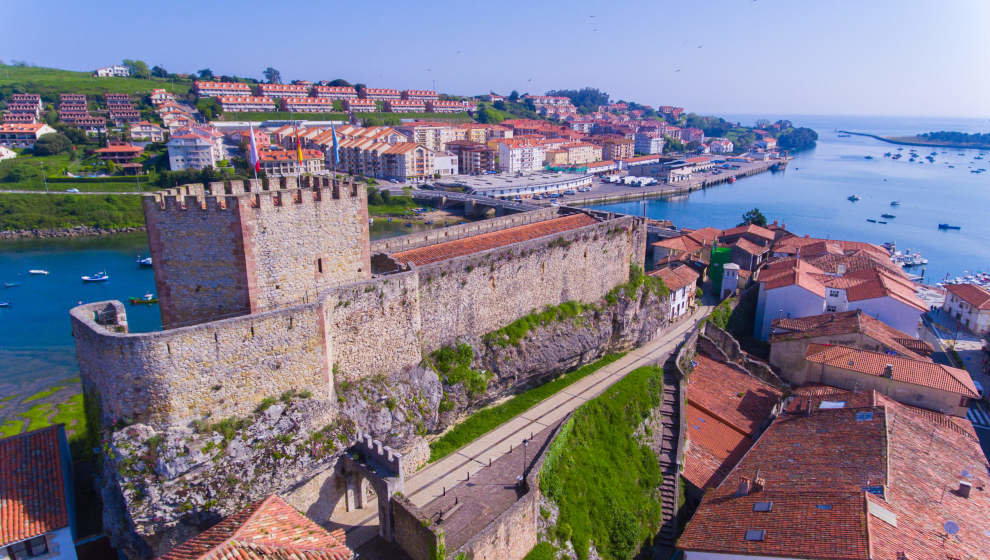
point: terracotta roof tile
(267, 530)
(849, 322)
(492, 240)
(676, 278)
(917, 372)
(972, 294)
(32, 489)
(749, 228)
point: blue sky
(904, 57)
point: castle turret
(234, 248)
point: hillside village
(541, 381)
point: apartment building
(117, 98)
(222, 89)
(279, 163)
(582, 152)
(434, 136)
(91, 125)
(693, 135)
(335, 92)
(195, 147)
(616, 147)
(244, 104)
(283, 90)
(970, 305)
(10, 117)
(379, 94)
(405, 106)
(144, 130)
(555, 157)
(420, 95)
(161, 97)
(72, 99)
(648, 143)
(520, 156)
(407, 160)
(473, 158)
(307, 104)
(358, 105)
(120, 153)
(449, 106)
(117, 70)
(721, 146)
(16, 135)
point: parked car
(72, 190)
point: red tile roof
(267, 530)
(492, 240)
(677, 278)
(916, 372)
(32, 489)
(849, 322)
(725, 408)
(972, 294)
(749, 247)
(749, 228)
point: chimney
(758, 482)
(743, 489)
(965, 488)
(888, 371)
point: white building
(970, 305)
(520, 157)
(195, 148)
(37, 519)
(23, 135)
(682, 283)
(7, 153)
(245, 103)
(721, 146)
(117, 70)
(647, 143)
(444, 164)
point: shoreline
(62, 233)
(905, 141)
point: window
(830, 308)
(833, 293)
(763, 506)
(32, 548)
(755, 534)
(319, 265)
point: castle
(269, 288)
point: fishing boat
(11, 284)
(853, 197)
(38, 272)
(888, 216)
(98, 277)
(146, 299)
(145, 262)
(947, 226)
(894, 203)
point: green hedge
(40, 211)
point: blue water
(810, 196)
(35, 332)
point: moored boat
(146, 299)
(11, 284)
(853, 198)
(145, 262)
(98, 277)
(888, 216)
(38, 272)
(4, 304)
(947, 226)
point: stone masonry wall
(434, 236)
(479, 293)
(214, 370)
(412, 531)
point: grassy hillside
(603, 478)
(49, 82)
(60, 211)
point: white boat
(98, 277)
(38, 272)
(4, 304)
(146, 261)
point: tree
(209, 107)
(754, 217)
(273, 76)
(51, 144)
(798, 139)
(139, 68)
(159, 72)
(671, 144)
(514, 96)
(585, 98)
(762, 123)
(339, 83)
(486, 115)
(359, 85)
(338, 105)
(500, 105)
(205, 74)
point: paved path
(429, 483)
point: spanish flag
(298, 146)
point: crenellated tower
(237, 247)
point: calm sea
(811, 195)
(35, 333)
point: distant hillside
(49, 82)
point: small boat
(98, 277)
(894, 203)
(888, 216)
(853, 197)
(871, 220)
(881, 222)
(947, 226)
(145, 262)
(371, 221)
(867, 157)
(11, 284)
(38, 272)
(732, 180)
(4, 304)
(146, 299)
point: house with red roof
(37, 517)
(849, 475)
(23, 135)
(269, 529)
(970, 305)
(790, 338)
(682, 281)
(917, 382)
(690, 246)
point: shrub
(51, 144)
(453, 365)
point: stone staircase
(669, 461)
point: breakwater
(921, 143)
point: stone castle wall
(239, 248)
(460, 231)
(213, 370)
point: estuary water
(810, 197)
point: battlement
(376, 453)
(255, 193)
